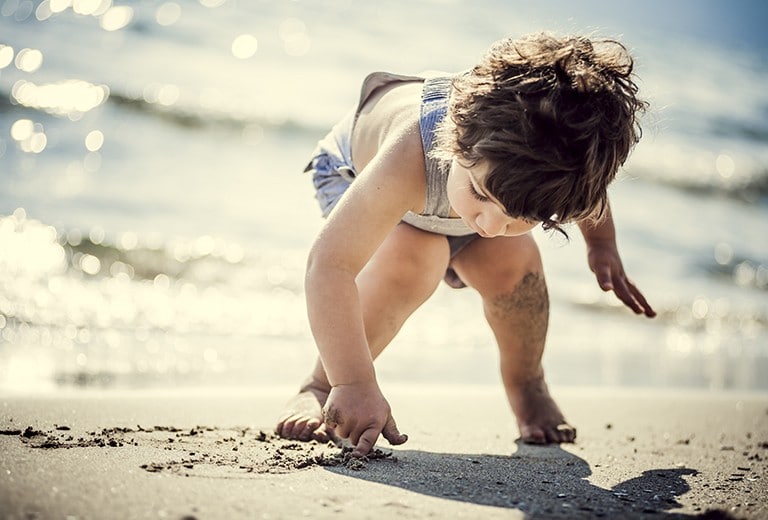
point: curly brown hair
(554, 117)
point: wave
(751, 189)
(741, 271)
(200, 118)
(174, 113)
(755, 131)
(37, 252)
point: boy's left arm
(605, 262)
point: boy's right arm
(355, 407)
(389, 185)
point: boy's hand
(359, 412)
(605, 262)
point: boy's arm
(605, 262)
(391, 184)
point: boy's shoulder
(382, 79)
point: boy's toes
(291, 428)
(303, 428)
(533, 435)
(320, 434)
(324, 434)
(307, 431)
(284, 427)
(565, 433)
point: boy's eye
(475, 194)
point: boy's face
(479, 209)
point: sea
(155, 218)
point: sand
(211, 454)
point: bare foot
(538, 417)
(303, 416)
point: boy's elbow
(321, 266)
(318, 260)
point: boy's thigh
(407, 247)
(494, 263)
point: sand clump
(206, 451)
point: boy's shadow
(540, 481)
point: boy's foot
(303, 416)
(538, 417)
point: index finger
(633, 298)
(366, 442)
(624, 293)
(604, 278)
(647, 309)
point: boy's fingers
(366, 442)
(392, 434)
(647, 309)
(624, 294)
(604, 279)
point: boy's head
(553, 117)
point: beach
(212, 454)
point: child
(451, 173)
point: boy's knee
(528, 251)
(501, 271)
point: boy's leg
(403, 273)
(508, 274)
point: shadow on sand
(539, 481)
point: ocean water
(154, 220)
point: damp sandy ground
(211, 454)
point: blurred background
(154, 218)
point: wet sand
(211, 454)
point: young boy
(444, 178)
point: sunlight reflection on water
(81, 308)
(206, 145)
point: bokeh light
(161, 94)
(59, 6)
(94, 140)
(29, 60)
(168, 14)
(725, 166)
(116, 18)
(6, 55)
(723, 253)
(22, 129)
(89, 264)
(43, 11)
(18, 10)
(244, 46)
(92, 162)
(29, 135)
(62, 98)
(90, 7)
(293, 32)
(29, 249)
(212, 3)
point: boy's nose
(492, 225)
